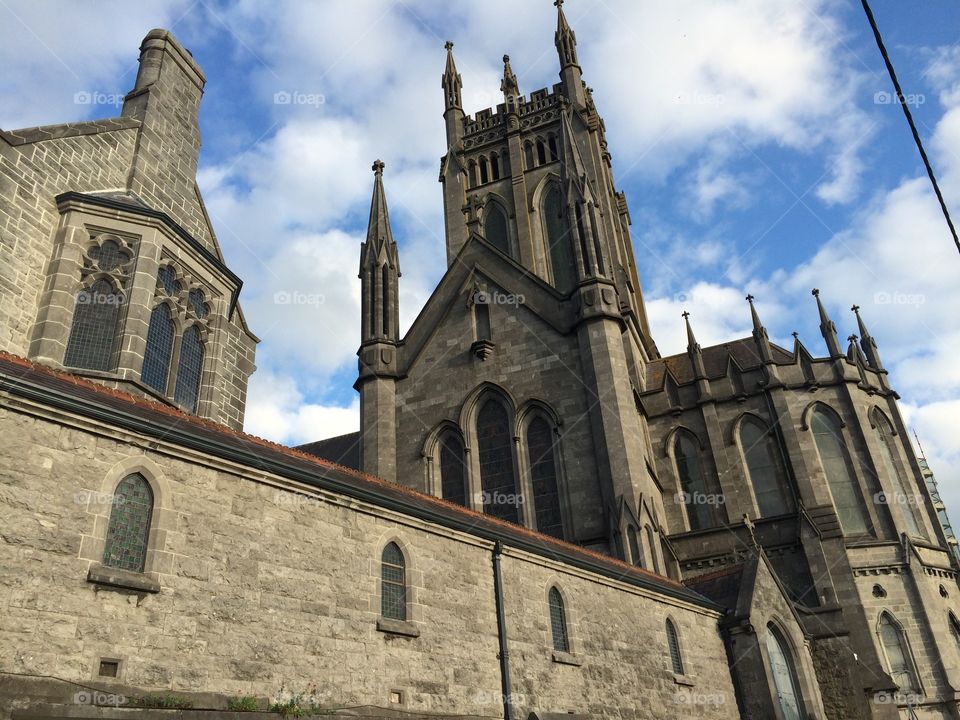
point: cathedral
(541, 516)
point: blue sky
(751, 137)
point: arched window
(484, 177)
(541, 152)
(652, 543)
(558, 622)
(453, 479)
(673, 643)
(495, 166)
(955, 628)
(128, 531)
(552, 142)
(784, 675)
(836, 465)
(636, 556)
(700, 504)
(764, 468)
(543, 473)
(93, 333)
(498, 479)
(528, 155)
(393, 583)
(908, 502)
(481, 317)
(156, 355)
(495, 227)
(557, 236)
(189, 369)
(473, 173)
(894, 643)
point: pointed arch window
(159, 347)
(498, 478)
(541, 451)
(557, 236)
(541, 152)
(495, 166)
(636, 555)
(558, 622)
(393, 583)
(835, 460)
(528, 155)
(699, 501)
(484, 176)
(495, 227)
(765, 468)
(94, 330)
(784, 674)
(189, 369)
(552, 143)
(453, 477)
(128, 531)
(955, 628)
(673, 644)
(895, 647)
(909, 503)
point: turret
(762, 341)
(452, 86)
(696, 359)
(867, 343)
(511, 91)
(379, 275)
(827, 328)
(570, 72)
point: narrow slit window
(558, 622)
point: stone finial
(448, 45)
(378, 166)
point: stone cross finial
(558, 3)
(684, 314)
(815, 292)
(795, 334)
(448, 45)
(856, 308)
(378, 167)
(852, 338)
(750, 298)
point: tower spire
(696, 359)
(571, 74)
(509, 86)
(760, 334)
(867, 342)
(452, 86)
(379, 267)
(827, 328)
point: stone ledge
(123, 579)
(565, 658)
(398, 627)
(685, 680)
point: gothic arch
(476, 397)
(554, 587)
(764, 466)
(536, 196)
(876, 415)
(493, 203)
(909, 663)
(412, 574)
(668, 443)
(431, 452)
(808, 411)
(733, 436)
(542, 475)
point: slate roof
(715, 359)
(342, 449)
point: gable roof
(342, 449)
(715, 358)
(111, 407)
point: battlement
(489, 118)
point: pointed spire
(867, 342)
(692, 345)
(696, 358)
(827, 328)
(379, 233)
(565, 39)
(760, 334)
(509, 86)
(854, 354)
(451, 82)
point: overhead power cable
(913, 128)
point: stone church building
(541, 515)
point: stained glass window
(453, 470)
(128, 531)
(764, 468)
(543, 473)
(167, 278)
(558, 622)
(843, 484)
(109, 256)
(784, 675)
(393, 584)
(197, 303)
(898, 656)
(700, 504)
(673, 642)
(495, 228)
(558, 240)
(498, 478)
(189, 369)
(909, 503)
(93, 333)
(156, 355)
